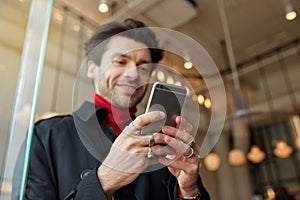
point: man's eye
(119, 62)
(145, 68)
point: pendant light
(290, 12)
(212, 161)
(255, 155)
(282, 150)
(103, 6)
(236, 157)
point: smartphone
(168, 98)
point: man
(63, 165)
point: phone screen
(167, 98)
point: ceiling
(255, 25)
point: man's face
(124, 72)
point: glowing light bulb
(212, 161)
(170, 80)
(161, 76)
(282, 150)
(270, 193)
(200, 99)
(236, 157)
(291, 15)
(178, 83)
(256, 155)
(103, 8)
(188, 65)
(207, 103)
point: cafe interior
(246, 92)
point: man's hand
(128, 155)
(185, 169)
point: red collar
(118, 118)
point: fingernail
(161, 113)
(170, 157)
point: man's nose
(131, 71)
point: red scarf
(118, 118)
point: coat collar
(88, 111)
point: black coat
(61, 167)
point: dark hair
(140, 34)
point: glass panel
(64, 53)
(13, 16)
(10, 56)
(28, 81)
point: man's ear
(91, 69)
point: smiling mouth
(128, 89)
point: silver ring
(150, 154)
(191, 154)
(191, 143)
(151, 141)
(133, 128)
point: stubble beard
(129, 101)
(121, 101)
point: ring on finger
(151, 141)
(192, 154)
(150, 154)
(191, 143)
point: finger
(176, 144)
(147, 118)
(188, 166)
(195, 152)
(182, 135)
(189, 153)
(160, 150)
(184, 124)
(182, 162)
(158, 138)
(131, 160)
(197, 149)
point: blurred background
(254, 43)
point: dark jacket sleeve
(44, 179)
(41, 182)
(38, 177)
(88, 188)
